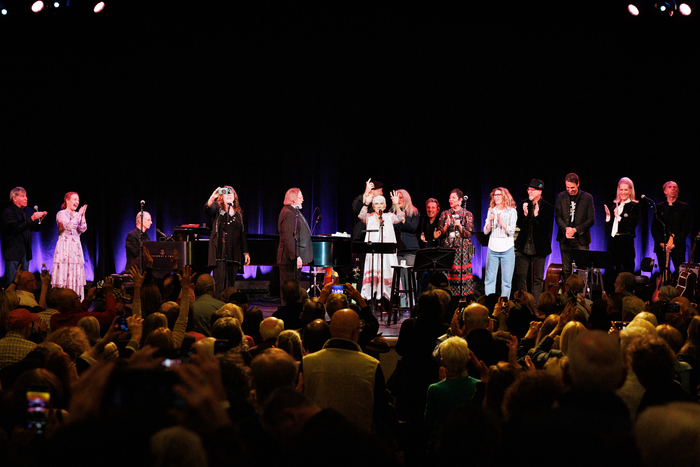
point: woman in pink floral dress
(68, 262)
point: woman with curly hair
(500, 223)
(228, 249)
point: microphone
(142, 203)
(648, 199)
(36, 209)
(465, 199)
(161, 233)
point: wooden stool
(396, 291)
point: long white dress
(373, 275)
(68, 262)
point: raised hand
(136, 276)
(395, 197)
(186, 277)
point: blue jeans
(506, 261)
(11, 270)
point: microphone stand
(316, 222)
(141, 239)
(381, 261)
(297, 271)
(665, 272)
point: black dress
(227, 245)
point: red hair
(66, 197)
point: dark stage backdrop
(164, 101)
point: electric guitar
(687, 279)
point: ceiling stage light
(99, 6)
(37, 6)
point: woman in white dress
(68, 262)
(380, 228)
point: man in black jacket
(672, 217)
(534, 242)
(18, 223)
(295, 237)
(575, 215)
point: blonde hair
(291, 196)
(569, 334)
(233, 310)
(507, 198)
(629, 182)
(409, 208)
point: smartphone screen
(37, 408)
(121, 322)
(337, 288)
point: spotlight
(37, 6)
(666, 7)
(99, 6)
(633, 9)
(3, 11)
(685, 9)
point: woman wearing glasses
(500, 223)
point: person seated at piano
(136, 238)
(621, 225)
(228, 249)
(378, 272)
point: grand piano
(192, 245)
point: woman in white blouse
(500, 223)
(621, 222)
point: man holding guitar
(670, 227)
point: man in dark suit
(136, 238)
(575, 215)
(534, 242)
(295, 237)
(672, 218)
(18, 223)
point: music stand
(375, 248)
(434, 259)
(593, 262)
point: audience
(307, 392)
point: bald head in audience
(476, 316)
(270, 328)
(345, 324)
